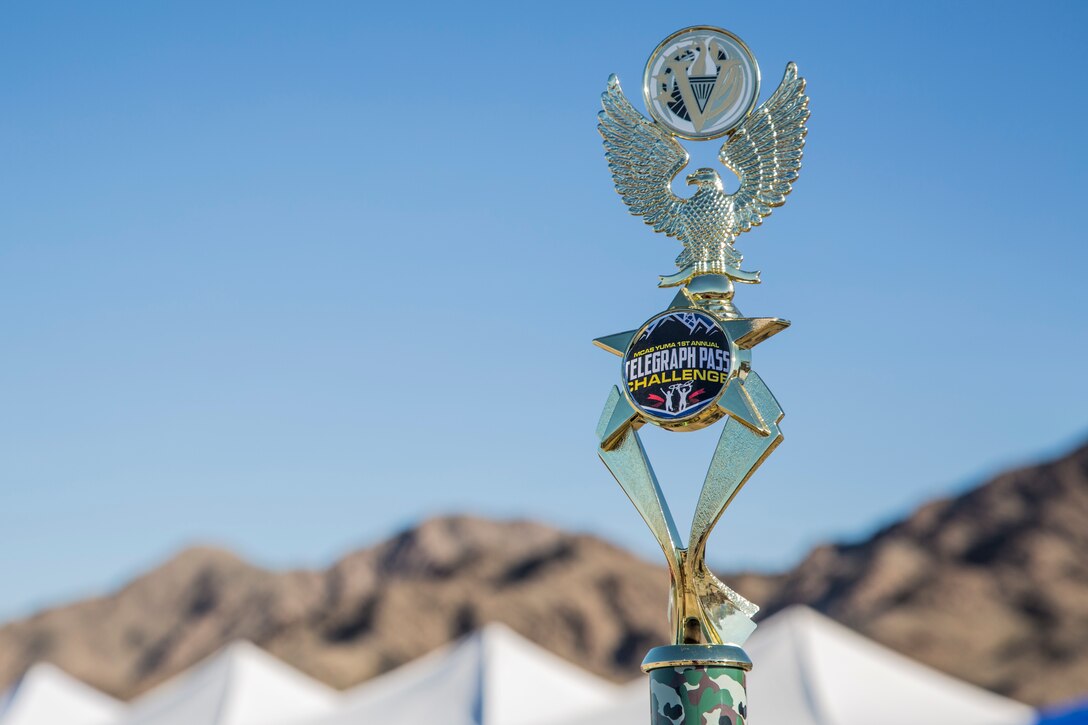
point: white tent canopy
(810, 670)
(46, 695)
(631, 706)
(241, 685)
(492, 677)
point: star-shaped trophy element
(702, 608)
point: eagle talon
(678, 278)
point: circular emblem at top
(701, 82)
(676, 367)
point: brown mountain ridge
(990, 586)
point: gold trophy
(690, 366)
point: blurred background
(289, 279)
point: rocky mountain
(991, 586)
(372, 610)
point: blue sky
(287, 277)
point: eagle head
(705, 179)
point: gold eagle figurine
(764, 151)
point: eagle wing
(643, 158)
(765, 151)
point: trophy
(690, 367)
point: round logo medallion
(676, 366)
(701, 82)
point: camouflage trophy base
(698, 685)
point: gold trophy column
(690, 366)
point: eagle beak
(692, 180)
